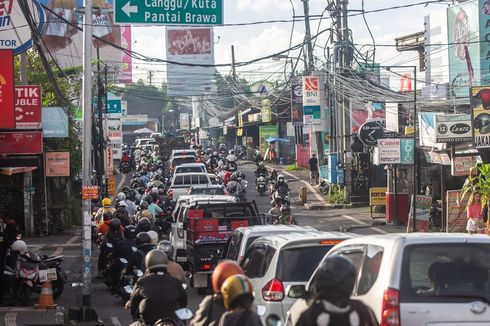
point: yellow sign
(239, 132)
(112, 185)
(377, 196)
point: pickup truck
(181, 183)
(208, 227)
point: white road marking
(123, 179)
(60, 248)
(10, 319)
(355, 220)
(115, 321)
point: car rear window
(208, 191)
(179, 161)
(297, 264)
(445, 273)
(187, 169)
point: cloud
(259, 5)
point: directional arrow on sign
(128, 9)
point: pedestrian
(314, 174)
(8, 235)
(474, 214)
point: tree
(145, 99)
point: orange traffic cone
(46, 300)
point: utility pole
(309, 46)
(100, 105)
(150, 76)
(233, 64)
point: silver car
(275, 263)
(417, 279)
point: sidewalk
(349, 217)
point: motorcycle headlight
(128, 289)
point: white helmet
(19, 246)
(121, 196)
(153, 236)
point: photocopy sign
(453, 128)
(169, 12)
(396, 151)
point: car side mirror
(297, 291)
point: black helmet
(107, 216)
(167, 248)
(142, 238)
(335, 278)
(143, 205)
(115, 224)
(144, 224)
(156, 261)
(130, 231)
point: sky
(254, 41)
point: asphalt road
(110, 308)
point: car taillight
(180, 232)
(391, 308)
(273, 291)
(207, 267)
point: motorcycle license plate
(48, 275)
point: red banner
(21, 142)
(27, 107)
(7, 120)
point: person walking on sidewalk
(313, 165)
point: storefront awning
(12, 171)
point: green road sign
(169, 12)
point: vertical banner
(7, 100)
(297, 105)
(126, 72)
(480, 104)
(311, 99)
(109, 160)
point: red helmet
(222, 272)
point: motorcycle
(127, 283)
(27, 276)
(53, 265)
(183, 315)
(261, 182)
(324, 187)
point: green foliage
(336, 195)
(293, 167)
(478, 182)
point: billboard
(7, 89)
(453, 128)
(396, 151)
(57, 164)
(54, 122)
(311, 99)
(29, 142)
(28, 107)
(463, 33)
(484, 12)
(190, 46)
(126, 70)
(480, 103)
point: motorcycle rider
(106, 207)
(281, 186)
(234, 187)
(231, 156)
(173, 268)
(331, 289)
(153, 207)
(156, 295)
(144, 224)
(222, 149)
(238, 299)
(105, 226)
(143, 246)
(112, 236)
(212, 307)
(123, 249)
(276, 210)
(261, 169)
(141, 208)
(285, 216)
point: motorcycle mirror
(134, 249)
(109, 245)
(184, 285)
(123, 260)
(188, 275)
(128, 289)
(138, 273)
(184, 314)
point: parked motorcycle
(52, 264)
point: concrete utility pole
(100, 106)
(150, 76)
(233, 67)
(309, 46)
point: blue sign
(54, 122)
(114, 106)
(313, 110)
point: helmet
(144, 224)
(107, 216)
(115, 224)
(336, 275)
(234, 177)
(130, 231)
(231, 152)
(261, 163)
(234, 288)
(146, 213)
(144, 205)
(167, 248)
(154, 237)
(142, 238)
(19, 246)
(156, 261)
(224, 270)
(126, 189)
(121, 196)
(106, 202)
(215, 153)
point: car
(417, 278)
(144, 141)
(181, 183)
(190, 167)
(179, 160)
(156, 135)
(242, 238)
(212, 189)
(275, 263)
(182, 152)
(177, 235)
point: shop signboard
(28, 142)
(297, 105)
(112, 185)
(461, 165)
(456, 211)
(7, 89)
(54, 122)
(370, 132)
(396, 151)
(377, 196)
(109, 159)
(453, 128)
(57, 164)
(27, 107)
(480, 104)
(90, 192)
(422, 211)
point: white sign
(461, 165)
(453, 128)
(14, 30)
(311, 91)
(113, 129)
(389, 151)
(135, 119)
(184, 121)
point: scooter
(261, 182)
(27, 276)
(127, 283)
(53, 265)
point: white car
(275, 263)
(177, 235)
(417, 278)
(182, 182)
(144, 142)
(182, 152)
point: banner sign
(109, 159)
(126, 71)
(377, 196)
(90, 192)
(57, 164)
(453, 128)
(461, 165)
(422, 212)
(21, 142)
(27, 107)
(7, 88)
(396, 151)
(311, 99)
(480, 104)
(297, 105)
(456, 211)
(54, 122)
